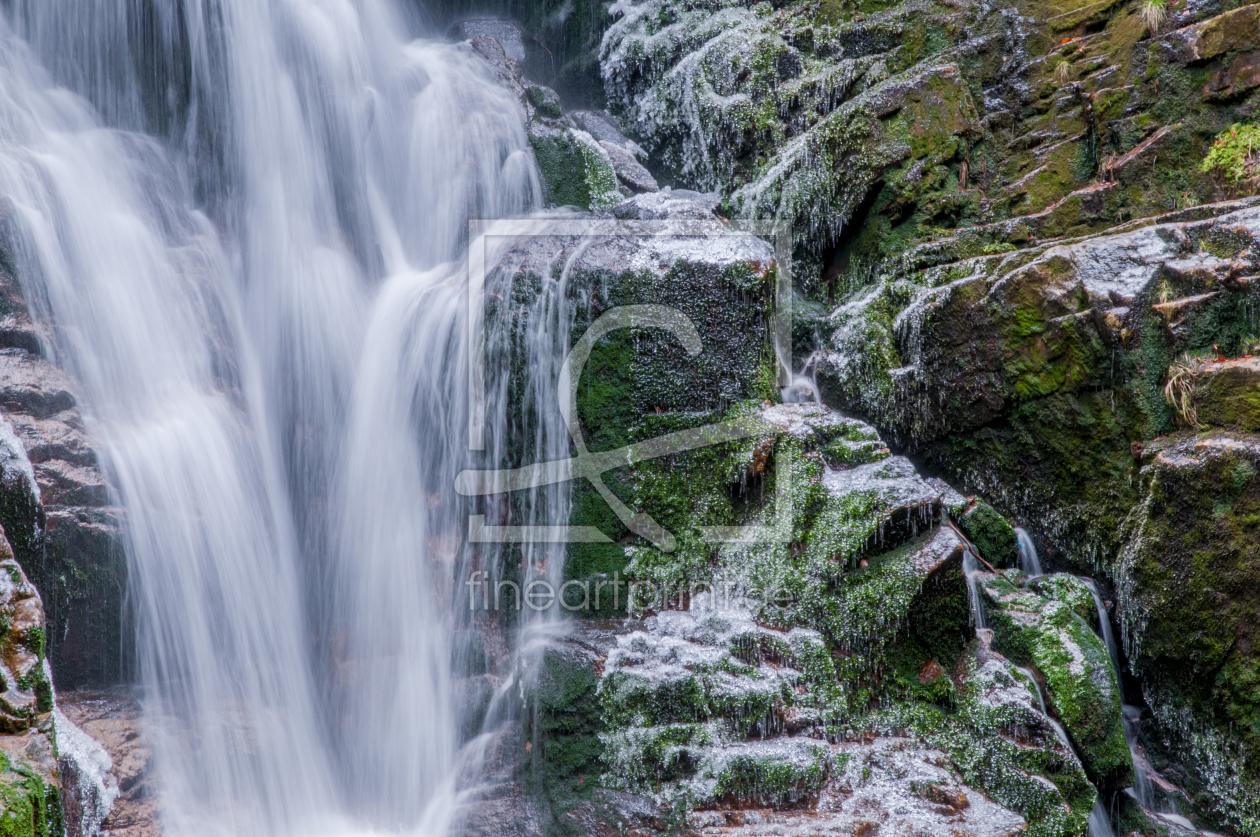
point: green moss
(1054, 637)
(991, 534)
(573, 170)
(30, 806)
(767, 780)
(562, 168)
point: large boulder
(1189, 578)
(1045, 629)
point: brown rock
(929, 671)
(1242, 75)
(113, 719)
(1234, 30)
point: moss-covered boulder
(1226, 394)
(1189, 578)
(1032, 377)
(30, 800)
(574, 168)
(990, 533)
(1004, 742)
(1045, 629)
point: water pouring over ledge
(247, 273)
(1029, 563)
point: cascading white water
(1098, 824)
(971, 567)
(1029, 563)
(242, 267)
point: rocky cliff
(1024, 252)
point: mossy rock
(30, 793)
(574, 170)
(1227, 394)
(1188, 579)
(1051, 636)
(991, 534)
(1039, 778)
(30, 801)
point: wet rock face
(30, 799)
(1047, 629)
(56, 509)
(1189, 579)
(1028, 375)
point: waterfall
(236, 222)
(1143, 790)
(1029, 563)
(1098, 825)
(971, 567)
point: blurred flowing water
(240, 223)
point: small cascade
(971, 567)
(1142, 789)
(1104, 625)
(1099, 824)
(801, 390)
(1028, 561)
(802, 387)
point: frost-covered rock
(628, 170)
(794, 118)
(1046, 630)
(30, 801)
(506, 32)
(88, 786)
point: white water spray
(971, 568)
(1029, 564)
(242, 269)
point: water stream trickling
(236, 221)
(1143, 789)
(1029, 563)
(1099, 824)
(971, 567)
